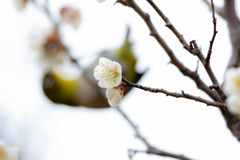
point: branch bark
(150, 149)
(214, 33)
(218, 10)
(193, 49)
(233, 121)
(175, 94)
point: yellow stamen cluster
(2, 152)
(110, 74)
(237, 81)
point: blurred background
(47, 122)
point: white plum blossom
(109, 73)
(8, 152)
(100, 1)
(114, 96)
(20, 4)
(232, 81)
(71, 16)
(49, 48)
(232, 88)
(233, 103)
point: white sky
(46, 131)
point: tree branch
(214, 33)
(194, 49)
(232, 120)
(173, 59)
(218, 10)
(151, 149)
(169, 25)
(175, 94)
(234, 32)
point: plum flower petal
(114, 96)
(71, 16)
(8, 152)
(232, 81)
(233, 103)
(50, 51)
(108, 73)
(232, 88)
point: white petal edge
(116, 100)
(233, 103)
(109, 92)
(229, 85)
(105, 61)
(114, 96)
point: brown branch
(176, 95)
(208, 69)
(169, 25)
(173, 59)
(214, 33)
(191, 49)
(150, 149)
(234, 32)
(218, 10)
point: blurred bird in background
(68, 86)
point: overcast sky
(46, 131)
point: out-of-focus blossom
(109, 73)
(8, 152)
(49, 48)
(233, 103)
(20, 4)
(232, 81)
(71, 16)
(232, 88)
(100, 1)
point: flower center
(2, 152)
(111, 73)
(237, 82)
(114, 74)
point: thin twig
(151, 149)
(197, 66)
(218, 10)
(214, 33)
(173, 59)
(194, 50)
(169, 25)
(176, 94)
